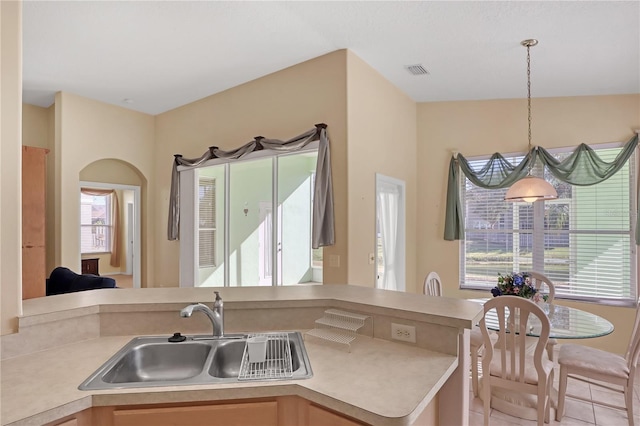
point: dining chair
(507, 364)
(589, 365)
(543, 284)
(432, 285)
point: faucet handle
(218, 301)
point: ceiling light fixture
(530, 188)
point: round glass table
(566, 322)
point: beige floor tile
(501, 418)
(606, 396)
(475, 404)
(579, 410)
(610, 417)
(476, 419)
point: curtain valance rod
(323, 215)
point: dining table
(566, 323)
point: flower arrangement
(517, 284)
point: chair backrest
(539, 281)
(513, 314)
(633, 350)
(432, 285)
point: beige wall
(381, 139)
(35, 126)
(483, 127)
(280, 105)
(10, 164)
(87, 131)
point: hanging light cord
(529, 91)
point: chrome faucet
(216, 315)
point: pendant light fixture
(530, 188)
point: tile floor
(576, 412)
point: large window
(583, 241)
(95, 223)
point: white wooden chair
(546, 286)
(506, 364)
(541, 283)
(588, 364)
(432, 285)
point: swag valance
(323, 218)
(582, 168)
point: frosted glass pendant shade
(530, 189)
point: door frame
(137, 224)
(380, 181)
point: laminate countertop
(379, 381)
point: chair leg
(628, 401)
(486, 398)
(474, 370)
(562, 392)
(542, 403)
(550, 351)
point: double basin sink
(157, 361)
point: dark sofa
(64, 280)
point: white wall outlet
(406, 333)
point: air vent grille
(417, 69)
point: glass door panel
(295, 191)
(250, 223)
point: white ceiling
(164, 54)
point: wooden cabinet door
(320, 417)
(33, 222)
(242, 414)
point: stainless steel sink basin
(227, 359)
(154, 361)
(148, 362)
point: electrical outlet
(406, 333)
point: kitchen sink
(155, 361)
(151, 361)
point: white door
(265, 237)
(390, 233)
(131, 223)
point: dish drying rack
(277, 363)
(340, 327)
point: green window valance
(582, 168)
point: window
(95, 223)
(206, 222)
(583, 241)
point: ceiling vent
(416, 69)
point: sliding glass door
(239, 238)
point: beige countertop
(380, 382)
(452, 312)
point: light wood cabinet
(280, 411)
(318, 416)
(33, 222)
(250, 413)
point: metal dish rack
(338, 326)
(277, 364)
